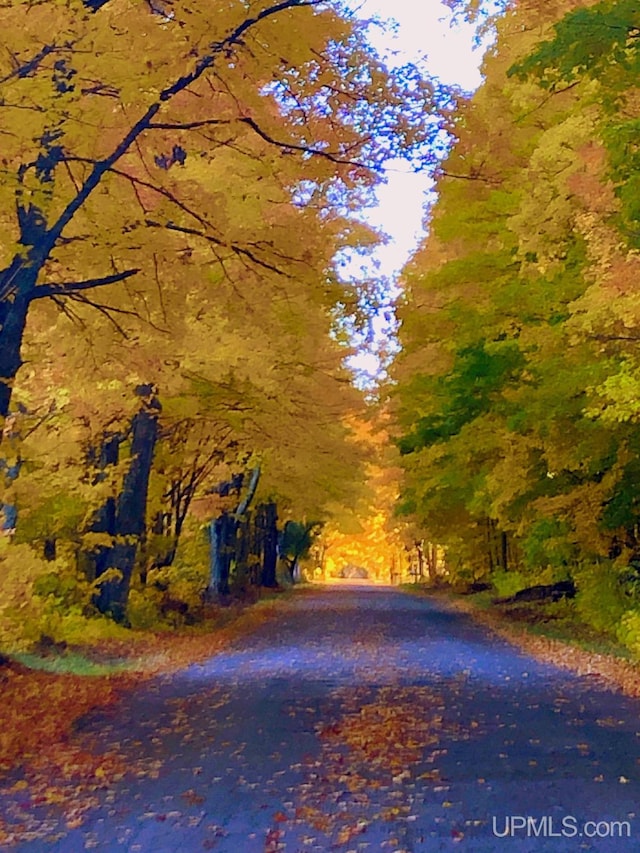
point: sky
(423, 29)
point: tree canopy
(515, 389)
(175, 185)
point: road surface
(362, 719)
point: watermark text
(526, 826)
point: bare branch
(305, 149)
(68, 287)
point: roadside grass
(72, 663)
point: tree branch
(106, 310)
(304, 148)
(237, 250)
(30, 65)
(166, 95)
(611, 338)
(68, 287)
(188, 125)
(471, 177)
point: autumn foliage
(516, 404)
(173, 329)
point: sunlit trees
(169, 311)
(364, 533)
(110, 163)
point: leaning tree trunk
(131, 507)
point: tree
(296, 540)
(118, 161)
(364, 531)
(493, 380)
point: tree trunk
(490, 559)
(131, 507)
(13, 318)
(269, 521)
(420, 555)
(223, 534)
(104, 520)
(433, 559)
(504, 551)
(243, 553)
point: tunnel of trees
(179, 423)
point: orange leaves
(39, 709)
(192, 798)
(367, 771)
(386, 736)
(272, 842)
(604, 669)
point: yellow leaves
(547, 211)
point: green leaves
(600, 42)
(516, 390)
(469, 390)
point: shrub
(508, 583)
(548, 543)
(601, 600)
(143, 611)
(628, 632)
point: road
(363, 719)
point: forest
(516, 388)
(178, 193)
